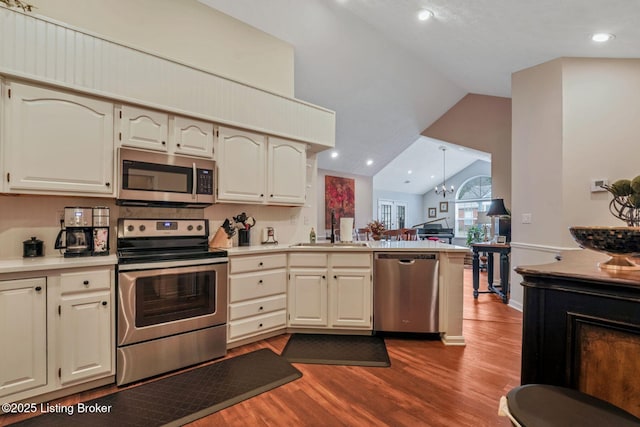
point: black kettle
(32, 248)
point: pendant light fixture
(443, 190)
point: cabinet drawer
(308, 259)
(257, 324)
(256, 285)
(256, 263)
(351, 260)
(255, 307)
(85, 280)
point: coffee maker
(76, 238)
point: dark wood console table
(504, 249)
(581, 328)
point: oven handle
(171, 264)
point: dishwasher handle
(406, 261)
(405, 258)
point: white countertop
(372, 246)
(17, 265)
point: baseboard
(453, 340)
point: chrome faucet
(333, 226)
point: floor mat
(180, 398)
(359, 350)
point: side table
(504, 249)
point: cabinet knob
(104, 303)
(261, 195)
(335, 277)
(38, 288)
(260, 264)
(261, 308)
(271, 195)
(260, 281)
(108, 184)
(260, 325)
(177, 145)
(86, 283)
(164, 142)
(324, 277)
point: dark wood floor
(427, 384)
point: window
(472, 202)
(392, 213)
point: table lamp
(503, 224)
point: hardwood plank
(428, 384)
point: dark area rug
(359, 350)
(181, 398)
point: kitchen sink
(332, 245)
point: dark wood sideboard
(581, 328)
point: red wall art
(339, 195)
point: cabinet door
(350, 298)
(57, 142)
(241, 166)
(23, 328)
(192, 137)
(85, 330)
(142, 128)
(308, 297)
(287, 172)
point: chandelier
(443, 190)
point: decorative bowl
(618, 242)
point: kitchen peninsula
(323, 266)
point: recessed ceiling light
(424, 14)
(334, 154)
(409, 171)
(432, 176)
(602, 37)
(369, 162)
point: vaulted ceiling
(389, 76)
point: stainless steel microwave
(158, 179)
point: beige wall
(188, 32)
(573, 121)
(483, 123)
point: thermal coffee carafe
(76, 238)
(100, 230)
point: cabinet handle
(260, 281)
(323, 277)
(177, 145)
(260, 325)
(38, 288)
(108, 184)
(104, 303)
(261, 195)
(261, 308)
(335, 277)
(86, 283)
(260, 264)
(271, 195)
(164, 143)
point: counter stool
(537, 405)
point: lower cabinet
(23, 328)
(257, 295)
(58, 331)
(85, 326)
(330, 290)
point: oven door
(168, 300)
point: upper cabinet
(255, 169)
(56, 142)
(159, 131)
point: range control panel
(131, 227)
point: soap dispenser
(312, 236)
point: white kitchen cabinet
(23, 328)
(286, 171)
(86, 312)
(257, 296)
(160, 131)
(57, 142)
(143, 128)
(330, 290)
(241, 166)
(255, 169)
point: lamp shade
(497, 208)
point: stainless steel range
(172, 297)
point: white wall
(573, 120)
(188, 32)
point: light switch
(526, 218)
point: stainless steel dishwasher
(405, 292)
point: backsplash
(24, 216)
